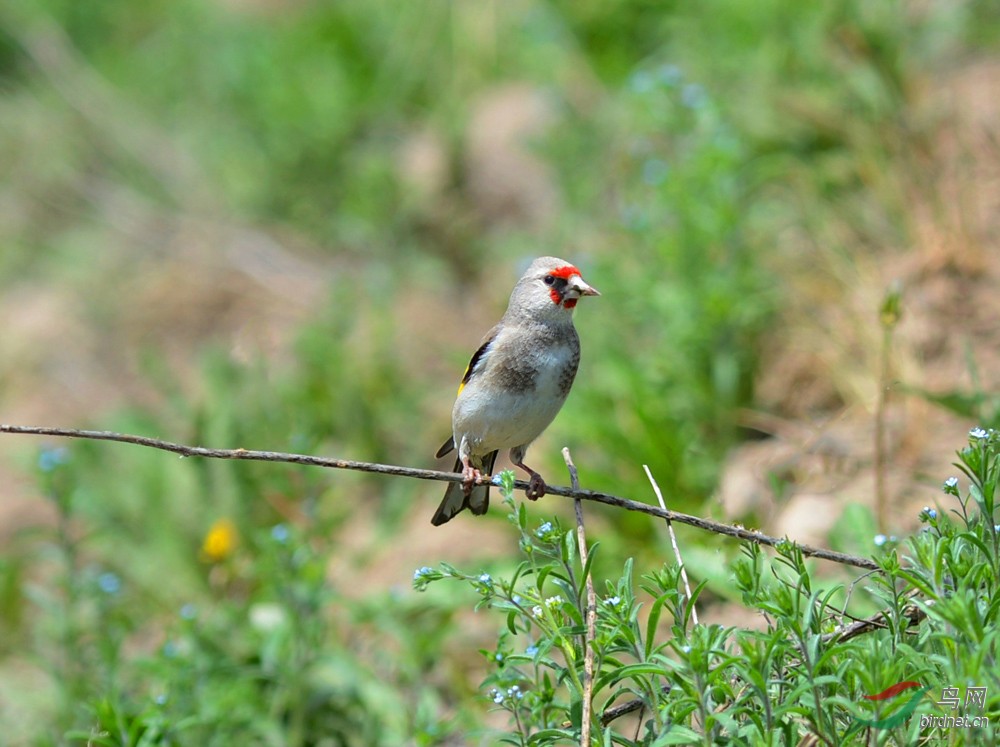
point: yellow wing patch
(465, 378)
(470, 369)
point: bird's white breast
(490, 416)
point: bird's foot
(536, 487)
(470, 476)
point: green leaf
(587, 568)
(679, 734)
(652, 622)
(636, 670)
(540, 737)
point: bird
(515, 384)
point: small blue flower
(931, 513)
(50, 458)
(544, 530)
(160, 699)
(654, 171)
(978, 433)
(693, 96)
(951, 482)
(613, 601)
(670, 75)
(189, 612)
(880, 539)
(497, 480)
(280, 533)
(641, 81)
(516, 599)
(497, 697)
(485, 579)
(109, 583)
(422, 572)
(499, 657)
(531, 650)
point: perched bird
(515, 383)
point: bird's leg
(536, 485)
(470, 476)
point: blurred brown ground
(818, 388)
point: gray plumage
(516, 383)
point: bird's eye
(548, 279)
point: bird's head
(549, 286)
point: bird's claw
(470, 476)
(536, 487)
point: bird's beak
(582, 289)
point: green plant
(805, 672)
(255, 655)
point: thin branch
(630, 706)
(427, 474)
(591, 633)
(912, 612)
(673, 542)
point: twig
(588, 655)
(626, 708)
(428, 474)
(673, 542)
(850, 591)
(912, 612)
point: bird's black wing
(477, 357)
(446, 447)
(470, 371)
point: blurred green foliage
(687, 137)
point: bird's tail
(455, 499)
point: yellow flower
(220, 541)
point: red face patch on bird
(565, 272)
(556, 280)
